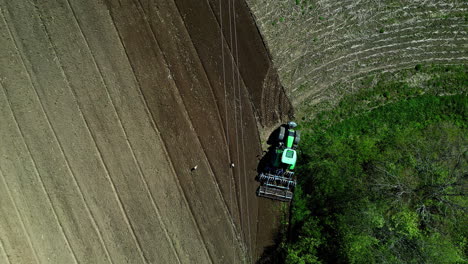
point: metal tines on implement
(276, 194)
(277, 186)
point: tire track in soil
(210, 54)
(153, 121)
(188, 247)
(187, 157)
(99, 141)
(188, 23)
(254, 64)
(259, 76)
(242, 193)
(172, 47)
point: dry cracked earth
(105, 109)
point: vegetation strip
(383, 174)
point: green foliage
(385, 88)
(386, 185)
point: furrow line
(40, 178)
(249, 242)
(330, 29)
(313, 95)
(80, 192)
(4, 253)
(17, 212)
(424, 49)
(140, 171)
(131, 228)
(340, 43)
(215, 181)
(390, 66)
(218, 106)
(157, 130)
(204, 70)
(27, 146)
(237, 183)
(371, 49)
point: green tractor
(277, 178)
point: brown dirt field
(104, 110)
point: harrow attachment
(275, 194)
(276, 185)
(277, 179)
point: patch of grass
(384, 88)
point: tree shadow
(272, 254)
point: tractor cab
(289, 157)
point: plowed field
(325, 48)
(105, 108)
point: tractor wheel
(281, 133)
(297, 138)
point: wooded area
(383, 175)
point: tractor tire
(281, 133)
(297, 138)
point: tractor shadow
(268, 154)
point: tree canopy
(384, 185)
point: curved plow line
(299, 37)
(330, 45)
(421, 48)
(425, 54)
(336, 72)
(314, 95)
(333, 31)
(355, 54)
(356, 60)
(341, 43)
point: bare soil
(105, 108)
(317, 44)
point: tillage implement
(277, 178)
